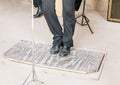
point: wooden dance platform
(79, 60)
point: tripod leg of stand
(88, 25)
(27, 78)
(82, 22)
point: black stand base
(85, 20)
(34, 80)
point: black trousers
(60, 36)
(37, 3)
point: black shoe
(39, 12)
(65, 51)
(55, 49)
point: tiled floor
(15, 25)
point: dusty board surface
(83, 61)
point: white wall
(98, 5)
(21, 1)
(102, 6)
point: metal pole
(34, 80)
(83, 14)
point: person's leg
(69, 25)
(68, 21)
(53, 22)
(35, 3)
(38, 4)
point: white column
(59, 7)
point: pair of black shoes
(39, 12)
(64, 50)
